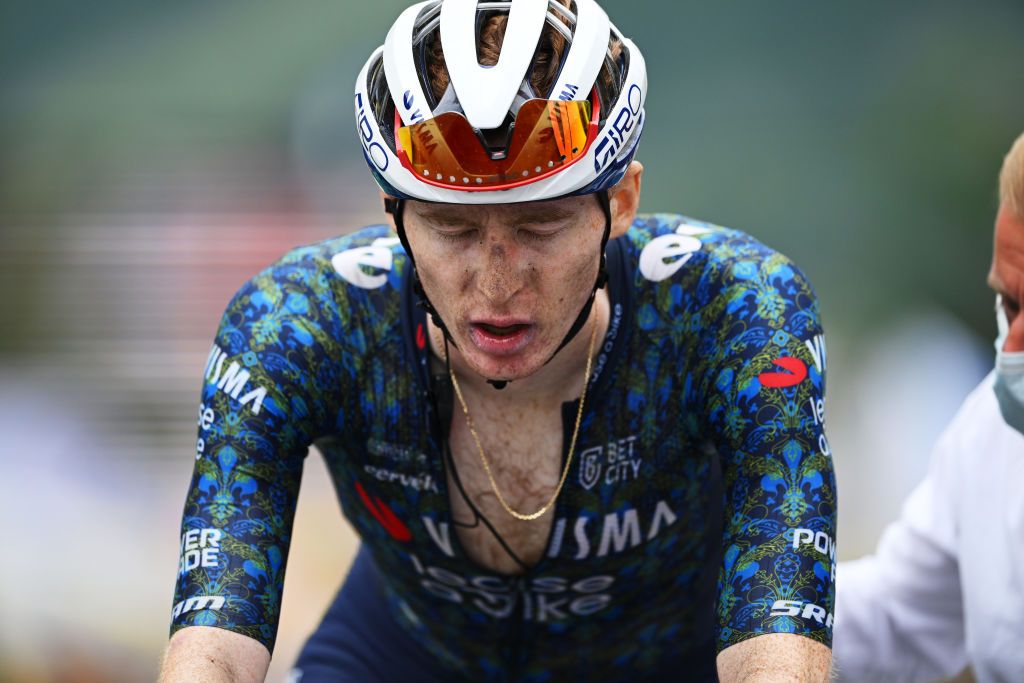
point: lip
(501, 344)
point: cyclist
(577, 444)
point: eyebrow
(531, 215)
(546, 215)
(441, 215)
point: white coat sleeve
(899, 612)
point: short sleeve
(764, 399)
(260, 408)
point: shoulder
(711, 269)
(334, 291)
(342, 272)
(368, 259)
(672, 247)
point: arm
(899, 615)
(258, 414)
(198, 653)
(774, 657)
(764, 401)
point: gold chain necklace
(572, 445)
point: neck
(556, 382)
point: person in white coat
(944, 591)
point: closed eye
(540, 235)
(455, 236)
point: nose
(501, 277)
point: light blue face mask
(1009, 386)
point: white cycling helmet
(490, 138)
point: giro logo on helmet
(618, 132)
(372, 149)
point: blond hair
(1011, 179)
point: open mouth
(501, 330)
(501, 340)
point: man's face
(1007, 273)
(508, 280)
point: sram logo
(665, 255)
(366, 267)
(804, 610)
(197, 603)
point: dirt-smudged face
(508, 280)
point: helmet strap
(602, 275)
(396, 207)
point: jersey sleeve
(764, 401)
(257, 416)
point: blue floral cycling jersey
(702, 503)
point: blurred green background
(153, 155)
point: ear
(625, 199)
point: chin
(505, 370)
(508, 368)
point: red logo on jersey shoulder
(796, 372)
(421, 337)
(383, 514)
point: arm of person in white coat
(899, 612)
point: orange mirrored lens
(548, 136)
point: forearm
(775, 658)
(215, 655)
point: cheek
(441, 278)
(573, 278)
